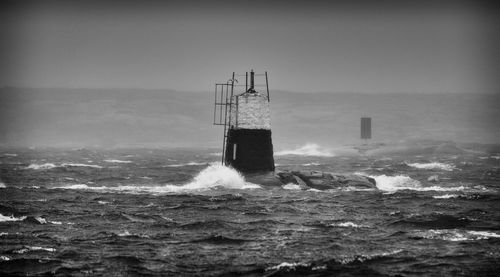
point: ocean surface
(178, 212)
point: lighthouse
(244, 112)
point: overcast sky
(364, 46)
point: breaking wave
(211, 177)
(309, 149)
(433, 165)
(80, 165)
(41, 166)
(348, 224)
(185, 164)
(455, 234)
(4, 218)
(404, 182)
(291, 186)
(46, 166)
(118, 161)
(445, 196)
(34, 248)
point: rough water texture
(131, 212)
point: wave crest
(186, 164)
(432, 165)
(41, 166)
(455, 235)
(117, 161)
(404, 182)
(211, 177)
(47, 166)
(395, 183)
(4, 218)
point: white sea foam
(4, 218)
(291, 186)
(185, 164)
(366, 257)
(433, 165)
(80, 165)
(41, 166)
(394, 183)
(2, 185)
(118, 161)
(309, 149)
(484, 235)
(215, 176)
(124, 234)
(46, 166)
(306, 164)
(4, 258)
(456, 234)
(348, 224)
(445, 196)
(286, 265)
(209, 178)
(41, 219)
(311, 164)
(128, 234)
(403, 182)
(34, 248)
(495, 157)
(10, 155)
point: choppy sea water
(149, 212)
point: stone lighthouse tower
(246, 116)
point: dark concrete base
(254, 150)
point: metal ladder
(223, 108)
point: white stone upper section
(251, 111)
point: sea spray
(4, 218)
(404, 182)
(218, 175)
(309, 149)
(432, 165)
(395, 183)
(117, 161)
(41, 166)
(211, 177)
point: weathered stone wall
(251, 111)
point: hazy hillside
(108, 118)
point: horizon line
(276, 90)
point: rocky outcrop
(325, 180)
(311, 179)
